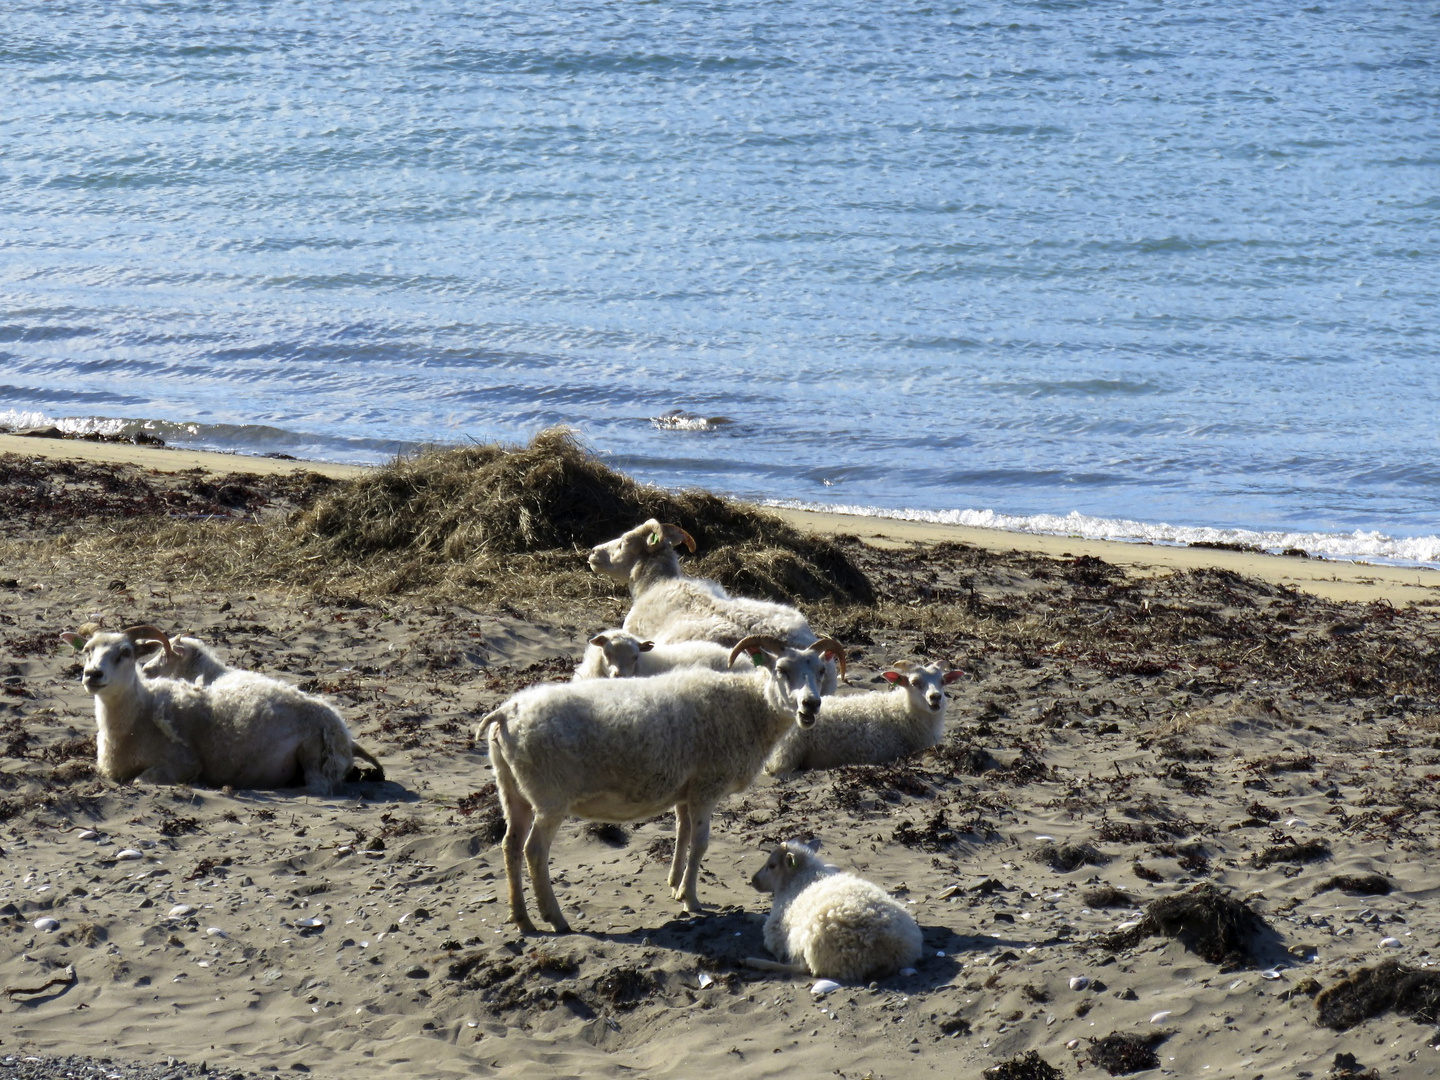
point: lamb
(830, 923)
(191, 660)
(619, 654)
(243, 730)
(872, 729)
(669, 606)
(625, 749)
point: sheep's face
(925, 685)
(784, 863)
(622, 557)
(109, 660)
(798, 676)
(622, 653)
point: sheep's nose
(934, 701)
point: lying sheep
(191, 660)
(625, 749)
(669, 606)
(241, 731)
(832, 924)
(619, 654)
(872, 729)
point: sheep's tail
(761, 964)
(375, 774)
(495, 719)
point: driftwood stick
(65, 978)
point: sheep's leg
(682, 847)
(699, 844)
(184, 768)
(519, 817)
(537, 855)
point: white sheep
(872, 729)
(241, 731)
(670, 606)
(191, 660)
(619, 654)
(830, 923)
(626, 749)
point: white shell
(1079, 982)
(824, 986)
(1390, 943)
(48, 925)
(1128, 925)
(1273, 973)
(310, 924)
(215, 931)
(705, 980)
(129, 853)
(179, 911)
(1160, 1016)
(89, 834)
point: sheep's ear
(599, 641)
(951, 676)
(75, 641)
(678, 536)
(813, 844)
(893, 676)
(646, 646)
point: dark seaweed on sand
(1121, 1053)
(1028, 1066)
(476, 504)
(1211, 924)
(1291, 852)
(1360, 884)
(1375, 990)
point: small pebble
(416, 972)
(1079, 982)
(48, 925)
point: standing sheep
(669, 606)
(619, 654)
(830, 923)
(625, 749)
(240, 732)
(872, 729)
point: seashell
(1390, 943)
(48, 925)
(1296, 822)
(179, 911)
(705, 980)
(1042, 837)
(1272, 973)
(128, 853)
(215, 931)
(1160, 1016)
(1128, 925)
(1079, 982)
(1072, 1044)
(309, 924)
(88, 834)
(824, 986)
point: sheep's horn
(683, 537)
(146, 632)
(763, 642)
(829, 644)
(903, 665)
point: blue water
(1140, 264)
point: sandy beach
(1137, 723)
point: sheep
(190, 660)
(831, 923)
(872, 729)
(243, 730)
(669, 606)
(625, 749)
(619, 654)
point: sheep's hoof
(523, 924)
(559, 924)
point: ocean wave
(1357, 546)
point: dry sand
(1179, 721)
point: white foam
(1357, 546)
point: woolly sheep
(241, 731)
(619, 654)
(830, 923)
(626, 749)
(190, 660)
(872, 729)
(669, 606)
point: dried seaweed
(1375, 990)
(1211, 924)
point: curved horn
(757, 641)
(829, 644)
(146, 632)
(677, 535)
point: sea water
(1144, 270)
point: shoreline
(1329, 579)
